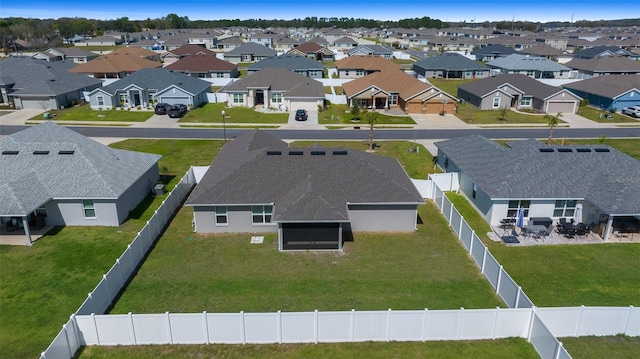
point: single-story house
(174, 55)
(602, 66)
(27, 83)
(314, 51)
(604, 51)
(249, 52)
(145, 87)
(357, 66)
(488, 53)
(313, 198)
(394, 88)
(119, 63)
(278, 88)
(450, 65)
(52, 175)
(608, 92)
(544, 180)
(204, 66)
(74, 54)
(533, 66)
(104, 40)
(297, 63)
(373, 50)
(229, 43)
(520, 92)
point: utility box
(158, 190)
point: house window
(346, 73)
(238, 98)
(221, 215)
(393, 99)
(530, 72)
(100, 100)
(525, 101)
(565, 208)
(88, 208)
(261, 214)
(124, 99)
(514, 206)
(276, 97)
(496, 102)
(474, 191)
(313, 73)
(362, 103)
(220, 75)
(152, 97)
(359, 73)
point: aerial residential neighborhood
(319, 186)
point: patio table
(535, 229)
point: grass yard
(620, 347)
(471, 114)
(212, 113)
(449, 86)
(340, 114)
(489, 349)
(597, 115)
(191, 272)
(85, 113)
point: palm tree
(552, 121)
(372, 119)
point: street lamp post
(224, 127)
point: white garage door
(304, 105)
(174, 100)
(564, 107)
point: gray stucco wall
(371, 218)
(482, 202)
(239, 220)
(69, 212)
(136, 193)
(108, 101)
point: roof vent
(601, 149)
(583, 150)
(565, 150)
(296, 153)
(317, 153)
(10, 152)
(339, 152)
(40, 152)
(274, 153)
(66, 152)
(544, 149)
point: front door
(259, 97)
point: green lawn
(449, 86)
(340, 115)
(619, 347)
(471, 114)
(85, 113)
(595, 114)
(212, 113)
(489, 349)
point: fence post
(95, 327)
(388, 324)
(315, 325)
(168, 319)
(104, 278)
(279, 327)
(531, 321)
(558, 350)
(66, 337)
(424, 324)
(450, 212)
(206, 326)
(518, 296)
(442, 203)
(133, 261)
(244, 330)
(579, 320)
(132, 328)
(459, 323)
(499, 280)
(120, 271)
(484, 259)
(75, 328)
(460, 227)
(471, 244)
(626, 324)
(353, 324)
(495, 322)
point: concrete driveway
(310, 123)
(19, 117)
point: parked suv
(633, 111)
(162, 108)
(301, 115)
(177, 111)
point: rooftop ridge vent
(564, 149)
(274, 153)
(339, 152)
(40, 152)
(544, 149)
(601, 150)
(583, 150)
(10, 152)
(296, 153)
(66, 152)
(318, 153)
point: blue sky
(457, 10)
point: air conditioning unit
(158, 190)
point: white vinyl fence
(98, 301)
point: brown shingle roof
(201, 63)
(369, 63)
(389, 80)
(190, 49)
(127, 60)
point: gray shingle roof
(302, 187)
(287, 61)
(39, 77)
(28, 180)
(253, 49)
(525, 62)
(607, 86)
(279, 80)
(494, 50)
(449, 61)
(524, 83)
(610, 180)
(159, 79)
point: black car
(301, 115)
(162, 108)
(177, 111)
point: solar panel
(296, 153)
(40, 152)
(10, 152)
(339, 152)
(317, 153)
